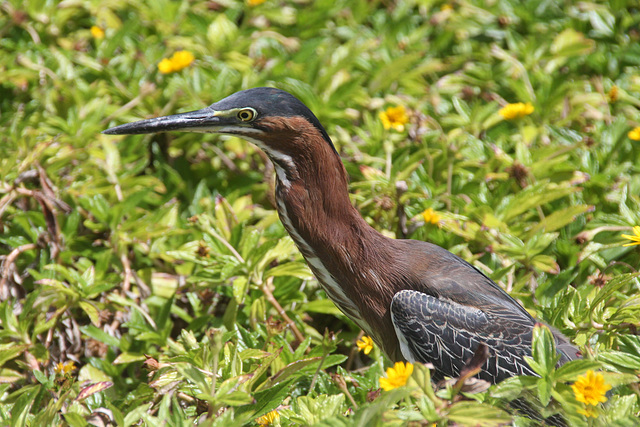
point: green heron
(418, 301)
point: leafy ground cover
(148, 279)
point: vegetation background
(148, 280)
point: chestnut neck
(358, 267)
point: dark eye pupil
(245, 115)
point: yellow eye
(246, 114)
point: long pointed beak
(204, 120)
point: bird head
(271, 118)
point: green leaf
(117, 414)
(240, 287)
(91, 311)
(371, 414)
(293, 369)
(257, 374)
(544, 351)
(391, 71)
(221, 31)
(476, 414)
(254, 353)
(235, 398)
(125, 358)
(571, 370)
(558, 219)
(42, 378)
(227, 387)
(134, 415)
(22, 407)
(163, 316)
(621, 360)
(621, 407)
(545, 263)
(294, 269)
(75, 420)
(11, 351)
(571, 43)
(249, 241)
(100, 335)
(258, 312)
(284, 248)
(532, 197)
(512, 388)
(322, 407)
(267, 400)
(616, 379)
(613, 286)
(324, 306)
(203, 382)
(422, 378)
(545, 388)
(91, 389)
(112, 159)
(98, 206)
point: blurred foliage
(158, 265)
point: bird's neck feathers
(311, 176)
(312, 191)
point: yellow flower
(165, 66)
(516, 111)
(396, 376)
(394, 118)
(253, 3)
(64, 368)
(635, 240)
(181, 59)
(268, 419)
(365, 344)
(589, 411)
(612, 95)
(591, 389)
(97, 32)
(430, 216)
(634, 134)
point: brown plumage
(417, 301)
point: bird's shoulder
(437, 272)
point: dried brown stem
(128, 273)
(11, 258)
(266, 289)
(342, 385)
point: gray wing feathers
(446, 334)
